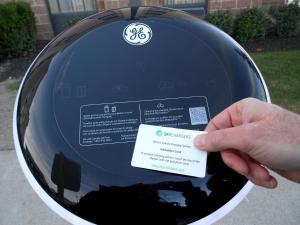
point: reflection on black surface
(161, 203)
(143, 204)
(66, 174)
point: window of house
(196, 7)
(184, 3)
(64, 6)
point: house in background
(52, 15)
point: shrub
(17, 28)
(287, 19)
(252, 24)
(221, 19)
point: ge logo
(137, 34)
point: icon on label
(137, 34)
(81, 91)
(158, 133)
(106, 109)
(160, 105)
(114, 109)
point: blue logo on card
(158, 133)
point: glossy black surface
(92, 64)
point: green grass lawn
(281, 71)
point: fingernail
(200, 140)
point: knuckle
(248, 101)
(213, 140)
(248, 135)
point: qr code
(198, 115)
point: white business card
(170, 150)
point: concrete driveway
(19, 205)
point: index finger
(229, 117)
(244, 111)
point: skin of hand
(252, 136)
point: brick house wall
(45, 31)
(235, 6)
(111, 4)
(43, 23)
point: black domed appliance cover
(82, 100)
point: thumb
(229, 138)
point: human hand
(252, 135)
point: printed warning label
(111, 123)
(108, 123)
